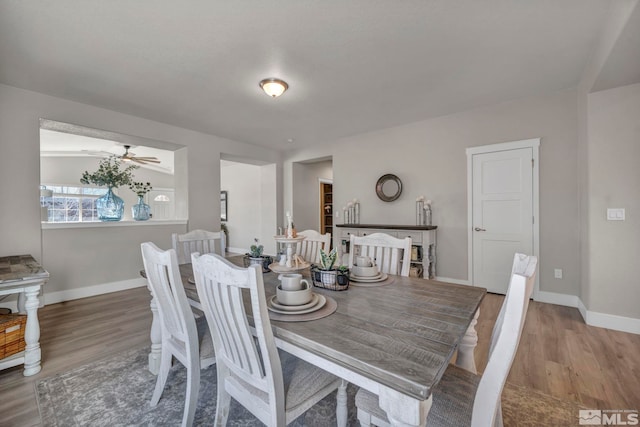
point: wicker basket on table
(335, 280)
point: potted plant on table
(255, 256)
(110, 174)
(327, 275)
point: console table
(22, 275)
(423, 241)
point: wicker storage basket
(336, 280)
(12, 328)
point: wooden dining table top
(401, 335)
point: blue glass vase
(141, 211)
(110, 207)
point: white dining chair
(275, 386)
(182, 338)
(391, 255)
(200, 241)
(462, 398)
(309, 248)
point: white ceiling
(352, 66)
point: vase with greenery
(111, 174)
(140, 211)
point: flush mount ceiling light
(274, 87)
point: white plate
(374, 277)
(276, 304)
(380, 278)
(321, 302)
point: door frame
(534, 144)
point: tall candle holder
(356, 212)
(420, 212)
(427, 213)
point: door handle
(479, 229)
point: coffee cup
(363, 261)
(292, 281)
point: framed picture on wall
(223, 205)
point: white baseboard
(610, 321)
(90, 291)
(450, 280)
(591, 318)
(558, 299)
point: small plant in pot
(329, 276)
(255, 256)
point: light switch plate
(615, 214)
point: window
(72, 204)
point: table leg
(32, 353)
(403, 410)
(156, 339)
(467, 347)
(341, 405)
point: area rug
(116, 392)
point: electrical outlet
(557, 273)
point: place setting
(366, 273)
(295, 300)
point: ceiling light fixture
(274, 87)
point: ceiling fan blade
(143, 161)
(146, 158)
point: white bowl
(364, 271)
(300, 297)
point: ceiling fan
(131, 157)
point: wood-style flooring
(558, 353)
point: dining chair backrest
(220, 285)
(200, 241)
(163, 276)
(177, 324)
(505, 339)
(391, 255)
(309, 248)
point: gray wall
(429, 157)
(614, 182)
(20, 233)
(244, 206)
(306, 193)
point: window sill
(125, 223)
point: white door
(502, 214)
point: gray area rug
(117, 391)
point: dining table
(394, 340)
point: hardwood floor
(558, 353)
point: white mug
(363, 261)
(292, 281)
